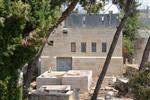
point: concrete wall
(140, 46)
(52, 96)
(140, 43)
(96, 64)
(88, 60)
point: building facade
(82, 43)
(143, 33)
(140, 43)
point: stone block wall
(83, 60)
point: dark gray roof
(94, 20)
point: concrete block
(53, 78)
(52, 92)
(55, 88)
(38, 95)
(78, 79)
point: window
(104, 47)
(93, 47)
(83, 47)
(73, 47)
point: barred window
(73, 47)
(93, 47)
(104, 47)
(83, 47)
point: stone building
(140, 43)
(81, 43)
(143, 32)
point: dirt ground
(105, 88)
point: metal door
(64, 63)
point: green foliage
(24, 24)
(3, 89)
(92, 6)
(133, 23)
(131, 26)
(128, 44)
(140, 84)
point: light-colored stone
(56, 87)
(53, 78)
(52, 92)
(141, 39)
(42, 95)
(84, 60)
(78, 79)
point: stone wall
(83, 60)
(94, 64)
(140, 46)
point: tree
(25, 26)
(145, 55)
(29, 73)
(129, 8)
(93, 9)
(140, 83)
(129, 31)
(128, 48)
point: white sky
(108, 7)
(144, 4)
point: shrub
(140, 84)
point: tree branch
(145, 54)
(64, 15)
(111, 50)
(29, 73)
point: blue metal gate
(64, 63)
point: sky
(144, 4)
(109, 7)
